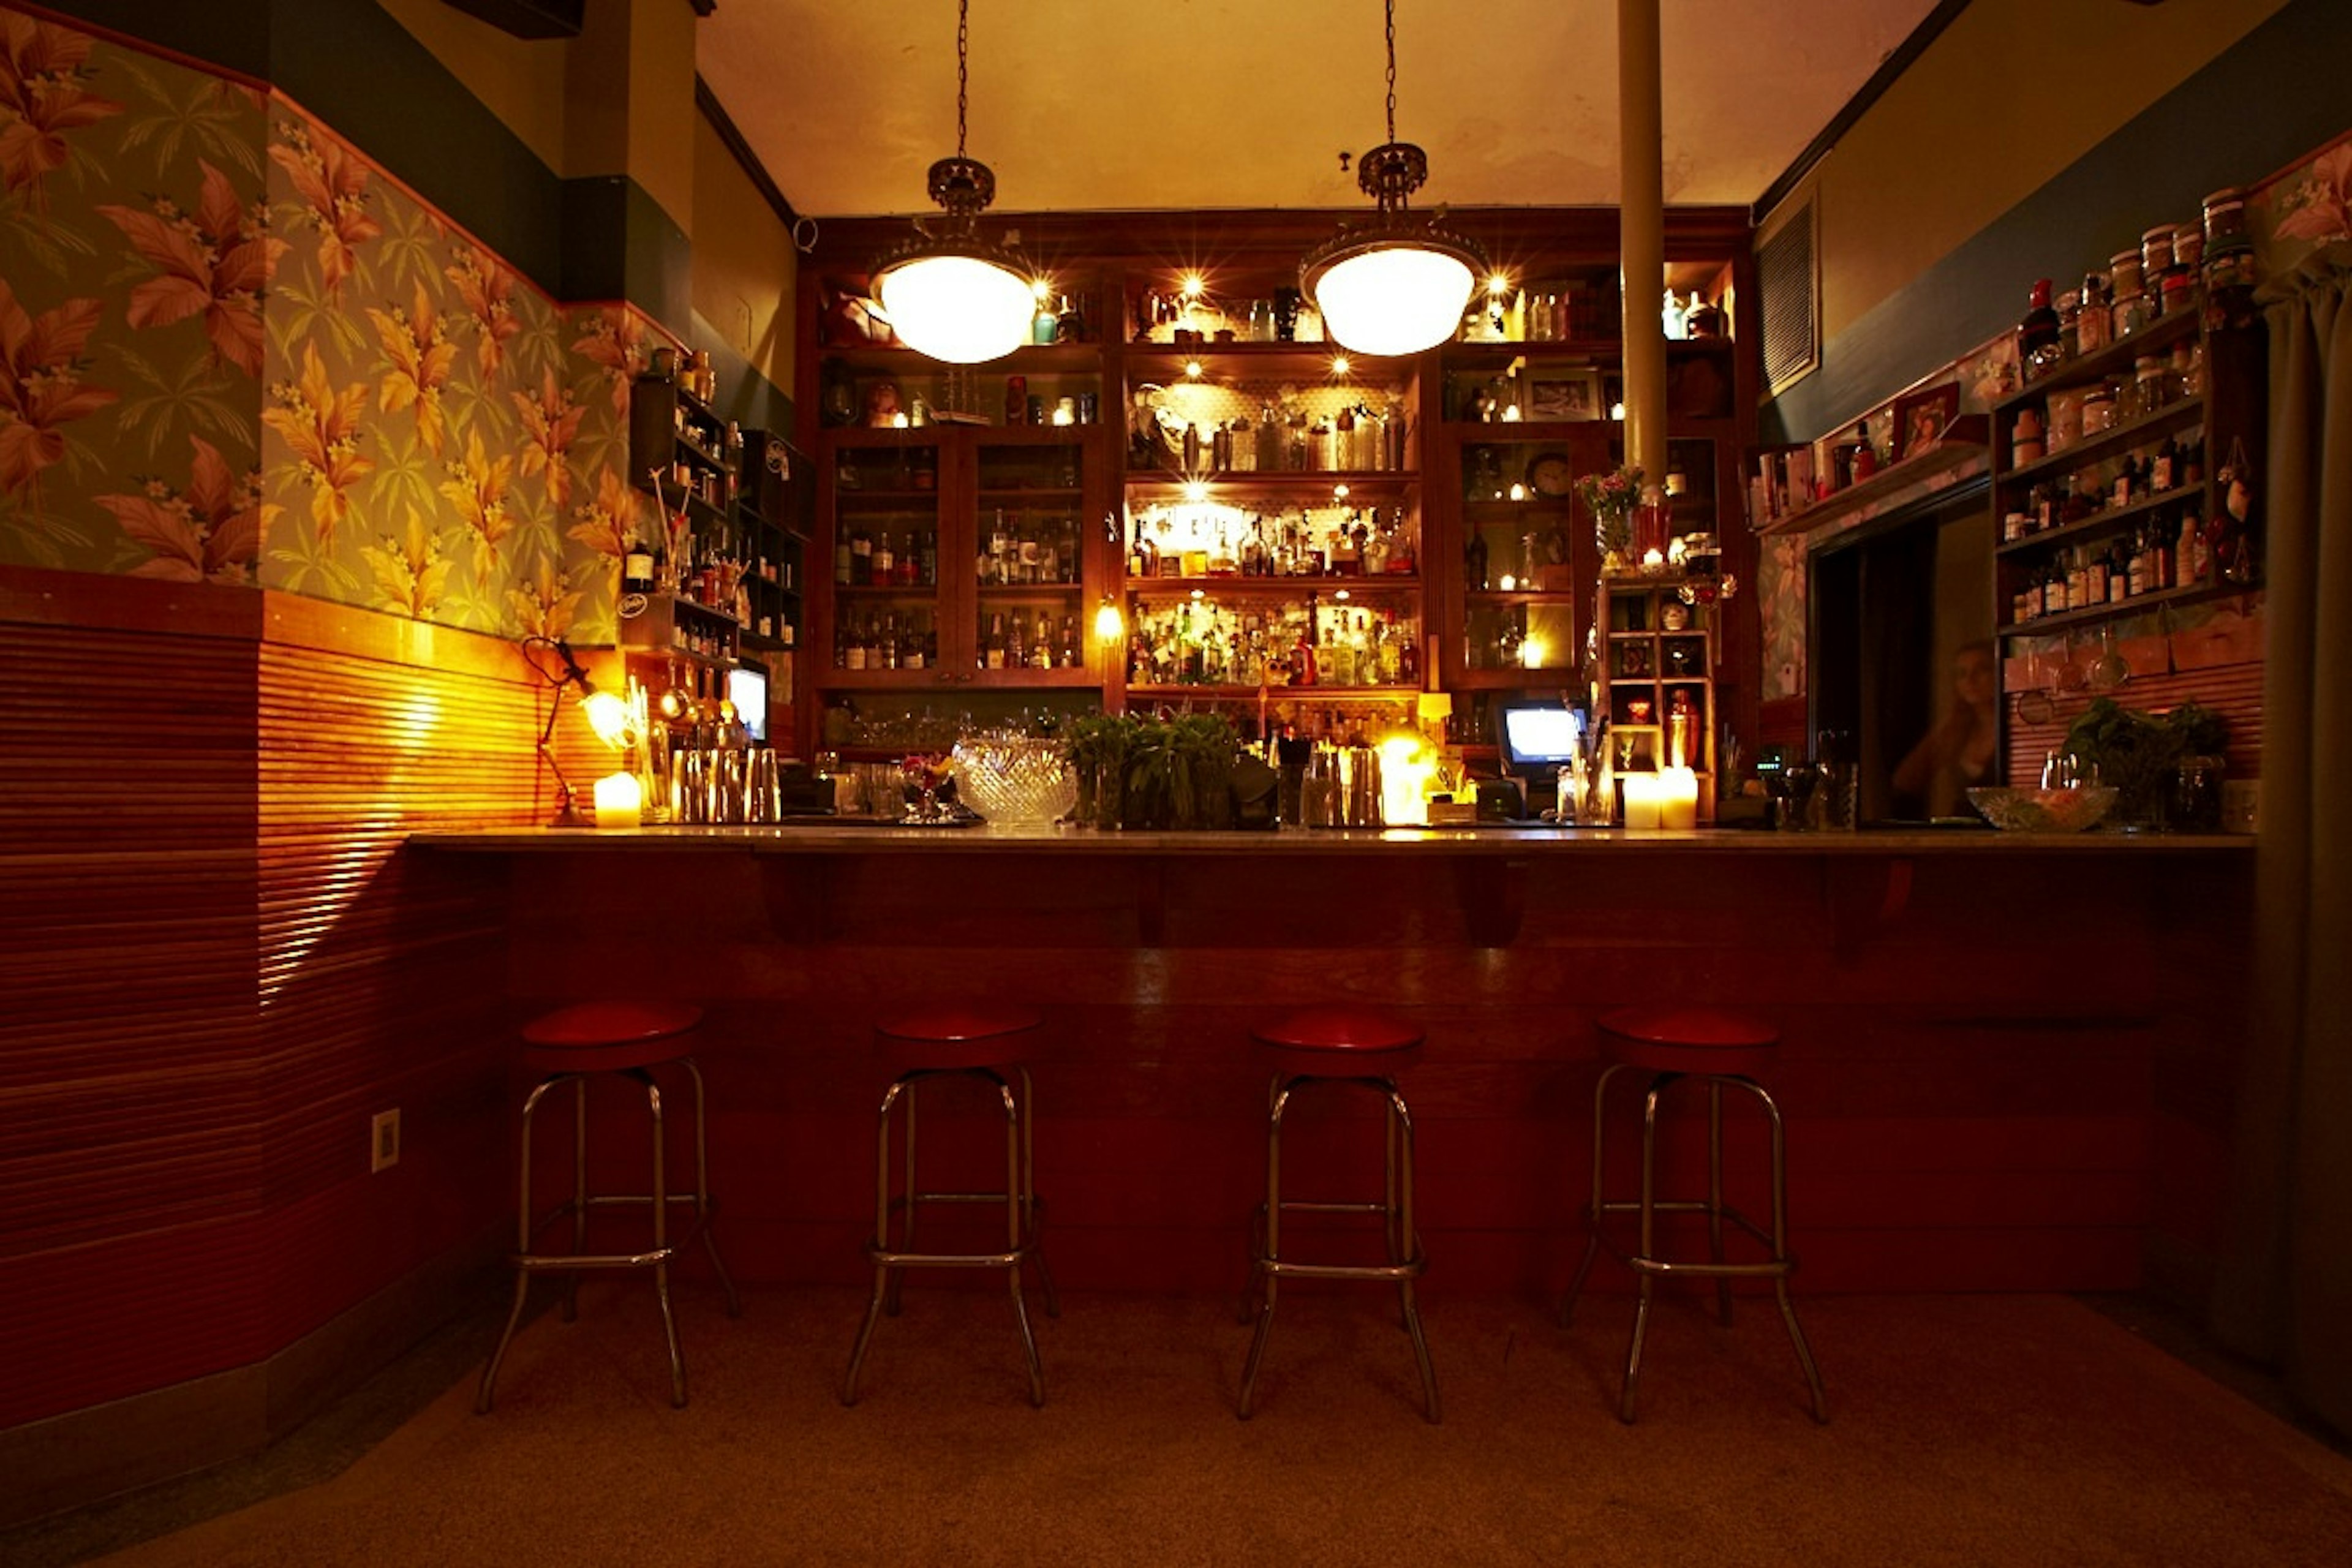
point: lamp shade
(957, 308)
(1392, 296)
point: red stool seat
(608, 1037)
(1698, 1041)
(1339, 1042)
(954, 1035)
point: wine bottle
(2038, 349)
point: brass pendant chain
(963, 45)
(1391, 38)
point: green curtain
(2284, 1293)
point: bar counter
(2006, 1058)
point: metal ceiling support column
(1642, 241)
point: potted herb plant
(2139, 753)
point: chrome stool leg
(1781, 1255)
(1592, 1199)
(661, 1250)
(1401, 1241)
(523, 1228)
(1648, 1277)
(1402, 1119)
(1264, 1270)
(883, 1273)
(706, 1206)
(892, 1249)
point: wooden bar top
(827, 836)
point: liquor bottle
(861, 557)
(1143, 557)
(993, 651)
(2166, 465)
(2191, 560)
(1268, 441)
(841, 560)
(637, 567)
(1041, 644)
(2038, 349)
(884, 565)
(1474, 570)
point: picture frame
(1561, 396)
(1922, 419)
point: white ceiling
(1104, 105)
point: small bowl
(2042, 810)
(1015, 780)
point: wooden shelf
(2101, 522)
(2120, 438)
(1951, 459)
(1285, 482)
(2116, 359)
(2116, 609)
(1275, 587)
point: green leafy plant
(2139, 752)
(1140, 772)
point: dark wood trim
(1929, 29)
(731, 138)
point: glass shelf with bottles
(1253, 426)
(1349, 540)
(1333, 638)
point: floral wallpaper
(2304, 209)
(232, 349)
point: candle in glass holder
(1641, 800)
(620, 801)
(1677, 797)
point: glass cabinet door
(886, 560)
(1029, 616)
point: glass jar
(2099, 410)
(2123, 273)
(2225, 220)
(2150, 388)
(2132, 313)
(2195, 803)
(2095, 321)
(2070, 317)
(2154, 252)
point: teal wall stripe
(2270, 99)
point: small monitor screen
(747, 688)
(1537, 735)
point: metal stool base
(657, 1257)
(1643, 1258)
(1023, 1218)
(1406, 1260)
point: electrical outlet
(384, 1140)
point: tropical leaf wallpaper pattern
(232, 349)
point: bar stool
(1720, 1049)
(1338, 1046)
(572, 1045)
(980, 1042)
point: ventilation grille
(1791, 289)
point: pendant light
(946, 292)
(1392, 286)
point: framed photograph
(1922, 418)
(1564, 395)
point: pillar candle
(1641, 800)
(620, 801)
(1677, 797)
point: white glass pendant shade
(958, 308)
(1393, 299)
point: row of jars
(2141, 285)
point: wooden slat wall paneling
(381, 980)
(130, 1155)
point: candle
(1641, 799)
(1677, 797)
(620, 801)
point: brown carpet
(1964, 1430)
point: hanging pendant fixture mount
(949, 292)
(1398, 284)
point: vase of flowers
(1613, 498)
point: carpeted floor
(1964, 1430)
